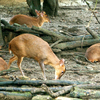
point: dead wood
(79, 61)
(94, 35)
(76, 7)
(36, 30)
(71, 54)
(85, 94)
(40, 82)
(33, 90)
(55, 43)
(92, 11)
(74, 44)
(94, 86)
(3, 51)
(4, 72)
(15, 95)
(56, 50)
(89, 72)
(72, 7)
(52, 94)
(4, 79)
(76, 41)
(76, 58)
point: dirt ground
(66, 19)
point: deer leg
(43, 69)
(20, 59)
(11, 60)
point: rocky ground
(66, 19)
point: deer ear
(62, 62)
(37, 12)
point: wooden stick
(92, 11)
(4, 72)
(80, 62)
(94, 35)
(52, 94)
(55, 43)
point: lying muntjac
(28, 45)
(3, 64)
(93, 53)
(30, 21)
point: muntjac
(30, 21)
(31, 46)
(93, 53)
(3, 64)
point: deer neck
(40, 21)
(52, 61)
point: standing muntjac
(93, 53)
(3, 64)
(31, 46)
(30, 21)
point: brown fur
(93, 53)
(3, 64)
(28, 45)
(30, 21)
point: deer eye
(62, 72)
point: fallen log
(94, 86)
(40, 82)
(15, 95)
(94, 35)
(85, 94)
(35, 30)
(77, 41)
(74, 44)
(33, 90)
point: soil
(71, 21)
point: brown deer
(31, 46)
(3, 64)
(93, 53)
(30, 21)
